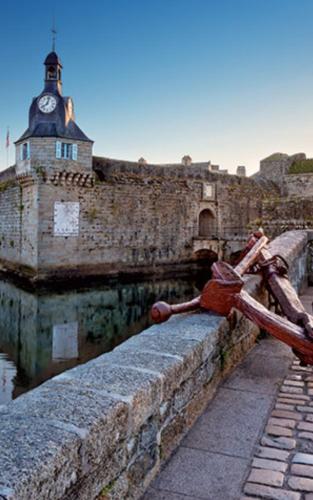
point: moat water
(44, 334)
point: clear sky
(229, 81)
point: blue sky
(229, 81)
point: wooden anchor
(224, 292)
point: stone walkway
(255, 439)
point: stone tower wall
(277, 165)
(43, 155)
(19, 225)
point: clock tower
(53, 139)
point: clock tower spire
(54, 34)
(53, 138)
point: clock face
(47, 103)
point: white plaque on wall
(65, 341)
(208, 191)
(66, 218)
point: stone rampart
(299, 185)
(282, 214)
(106, 427)
(120, 218)
(141, 217)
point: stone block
(281, 414)
(305, 426)
(306, 435)
(302, 470)
(171, 435)
(282, 422)
(142, 391)
(275, 430)
(303, 458)
(300, 483)
(33, 454)
(169, 368)
(269, 477)
(272, 453)
(260, 490)
(261, 463)
(284, 443)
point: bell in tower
(53, 76)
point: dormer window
(25, 151)
(66, 151)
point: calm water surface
(44, 334)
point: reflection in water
(7, 375)
(65, 341)
(42, 335)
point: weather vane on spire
(54, 34)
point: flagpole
(8, 146)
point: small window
(66, 151)
(25, 151)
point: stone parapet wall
(299, 185)
(282, 214)
(106, 427)
(8, 174)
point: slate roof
(46, 129)
(52, 59)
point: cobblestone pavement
(255, 439)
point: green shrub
(301, 167)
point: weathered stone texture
(143, 217)
(43, 155)
(132, 218)
(275, 166)
(18, 223)
(281, 214)
(300, 185)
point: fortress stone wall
(291, 208)
(300, 184)
(18, 223)
(134, 218)
(123, 217)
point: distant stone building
(277, 165)
(65, 213)
(186, 161)
(241, 171)
(292, 208)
